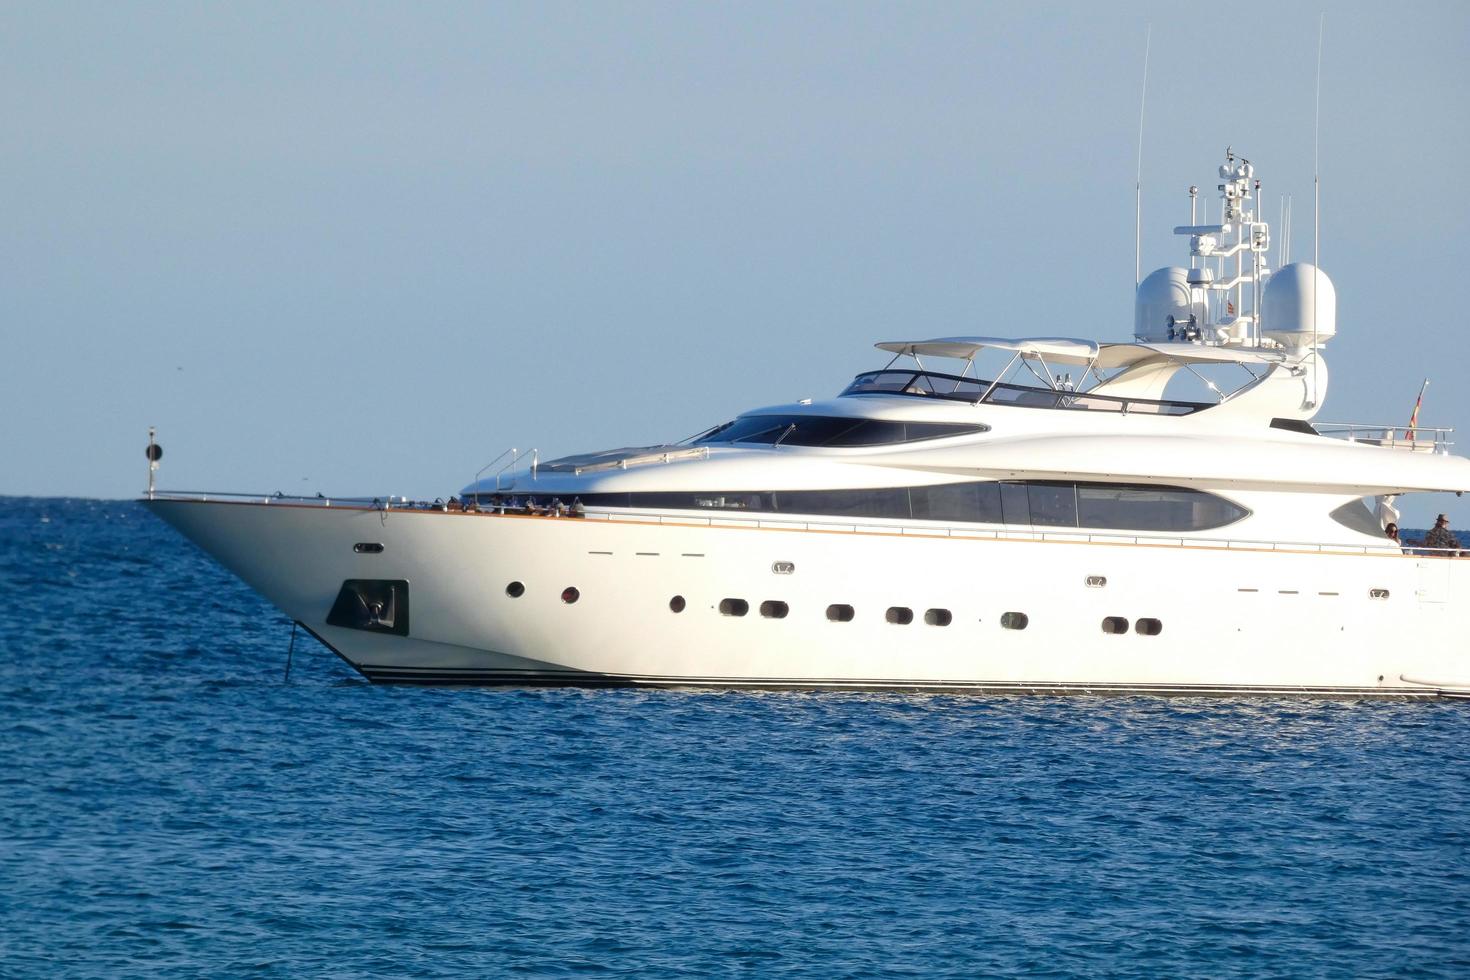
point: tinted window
(957, 502)
(1053, 504)
(1040, 503)
(1142, 508)
(880, 502)
(1013, 504)
(817, 430)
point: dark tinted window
(879, 502)
(1015, 508)
(1142, 508)
(957, 502)
(1053, 504)
(818, 430)
(1041, 503)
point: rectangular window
(1053, 504)
(1013, 503)
(879, 502)
(958, 502)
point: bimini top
(1060, 350)
(1127, 355)
(1067, 350)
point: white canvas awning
(1054, 350)
(1127, 355)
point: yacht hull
(1230, 619)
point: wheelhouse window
(819, 430)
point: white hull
(1235, 619)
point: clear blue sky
(363, 248)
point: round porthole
(676, 604)
(570, 595)
(515, 590)
(1117, 624)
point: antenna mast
(1317, 200)
(1138, 182)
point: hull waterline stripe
(572, 678)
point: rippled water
(171, 805)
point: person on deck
(1441, 538)
(1392, 530)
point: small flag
(1414, 416)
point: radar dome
(1161, 310)
(1294, 294)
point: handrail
(1423, 438)
(514, 454)
(695, 452)
(513, 460)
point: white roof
(1066, 350)
(1060, 350)
(1126, 355)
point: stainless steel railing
(1418, 438)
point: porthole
(1014, 621)
(899, 615)
(570, 595)
(1149, 627)
(938, 617)
(774, 609)
(676, 604)
(734, 607)
(1117, 624)
(515, 590)
(1097, 581)
(840, 613)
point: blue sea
(173, 804)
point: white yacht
(1065, 523)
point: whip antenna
(1138, 181)
(1317, 201)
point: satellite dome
(1293, 295)
(1161, 309)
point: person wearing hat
(1440, 537)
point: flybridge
(1226, 307)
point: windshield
(818, 430)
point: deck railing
(1424, 439)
